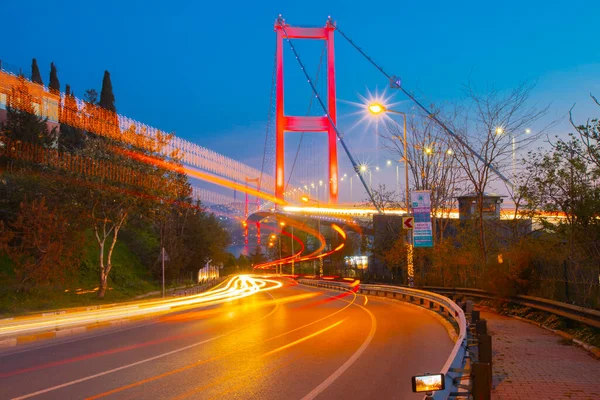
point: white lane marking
(50, 389)
(87, 378)
(327, 382)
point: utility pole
(163, 270)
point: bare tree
(383, 198)
(491, 128)
(431, 162)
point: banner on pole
(422, 231)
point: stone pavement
(533, 363)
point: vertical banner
(422, 231)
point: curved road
(294, 342)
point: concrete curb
(593, 350)
(62, 333)
(67, 332)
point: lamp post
(271, 244)
(282, 224)
(377, 109)
(306, 200)
(365, 168)
(389, 163)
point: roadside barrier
(468, 369)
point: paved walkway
(532, 363)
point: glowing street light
(363, 168)
(499, 130)
(376, 108)
(388, 162)
(428, 150)
(528, 131)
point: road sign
(408, 222)
(421, 205)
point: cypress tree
(54, 83)
(107, 98)
(36, 77)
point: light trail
(235, 288)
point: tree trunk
(482, 231)
(102, 287)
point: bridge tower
(285, 123)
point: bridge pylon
(286, 123)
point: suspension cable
(333, 125)
(395, 85)
(310, 103)
(270, 116)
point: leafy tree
(36, 77)
(21, 121)
(54, 84)
(244, 263)
(257, 256)
(41, 244)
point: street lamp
(271, 244)
(389, 164)
(306, 199)
(365, 168)
(376, 109)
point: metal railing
(583, 315)
(453, 369)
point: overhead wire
(431, 115)
(270, 116)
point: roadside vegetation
(84, 214)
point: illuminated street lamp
(365, 168)
(376, 109)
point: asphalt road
(291, 343)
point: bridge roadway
(291, 343)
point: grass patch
(128, 278)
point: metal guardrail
(583, 315)
(433, 301)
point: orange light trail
(205, 176)
(235, 288)
(303, 339)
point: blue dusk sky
(203, 69)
